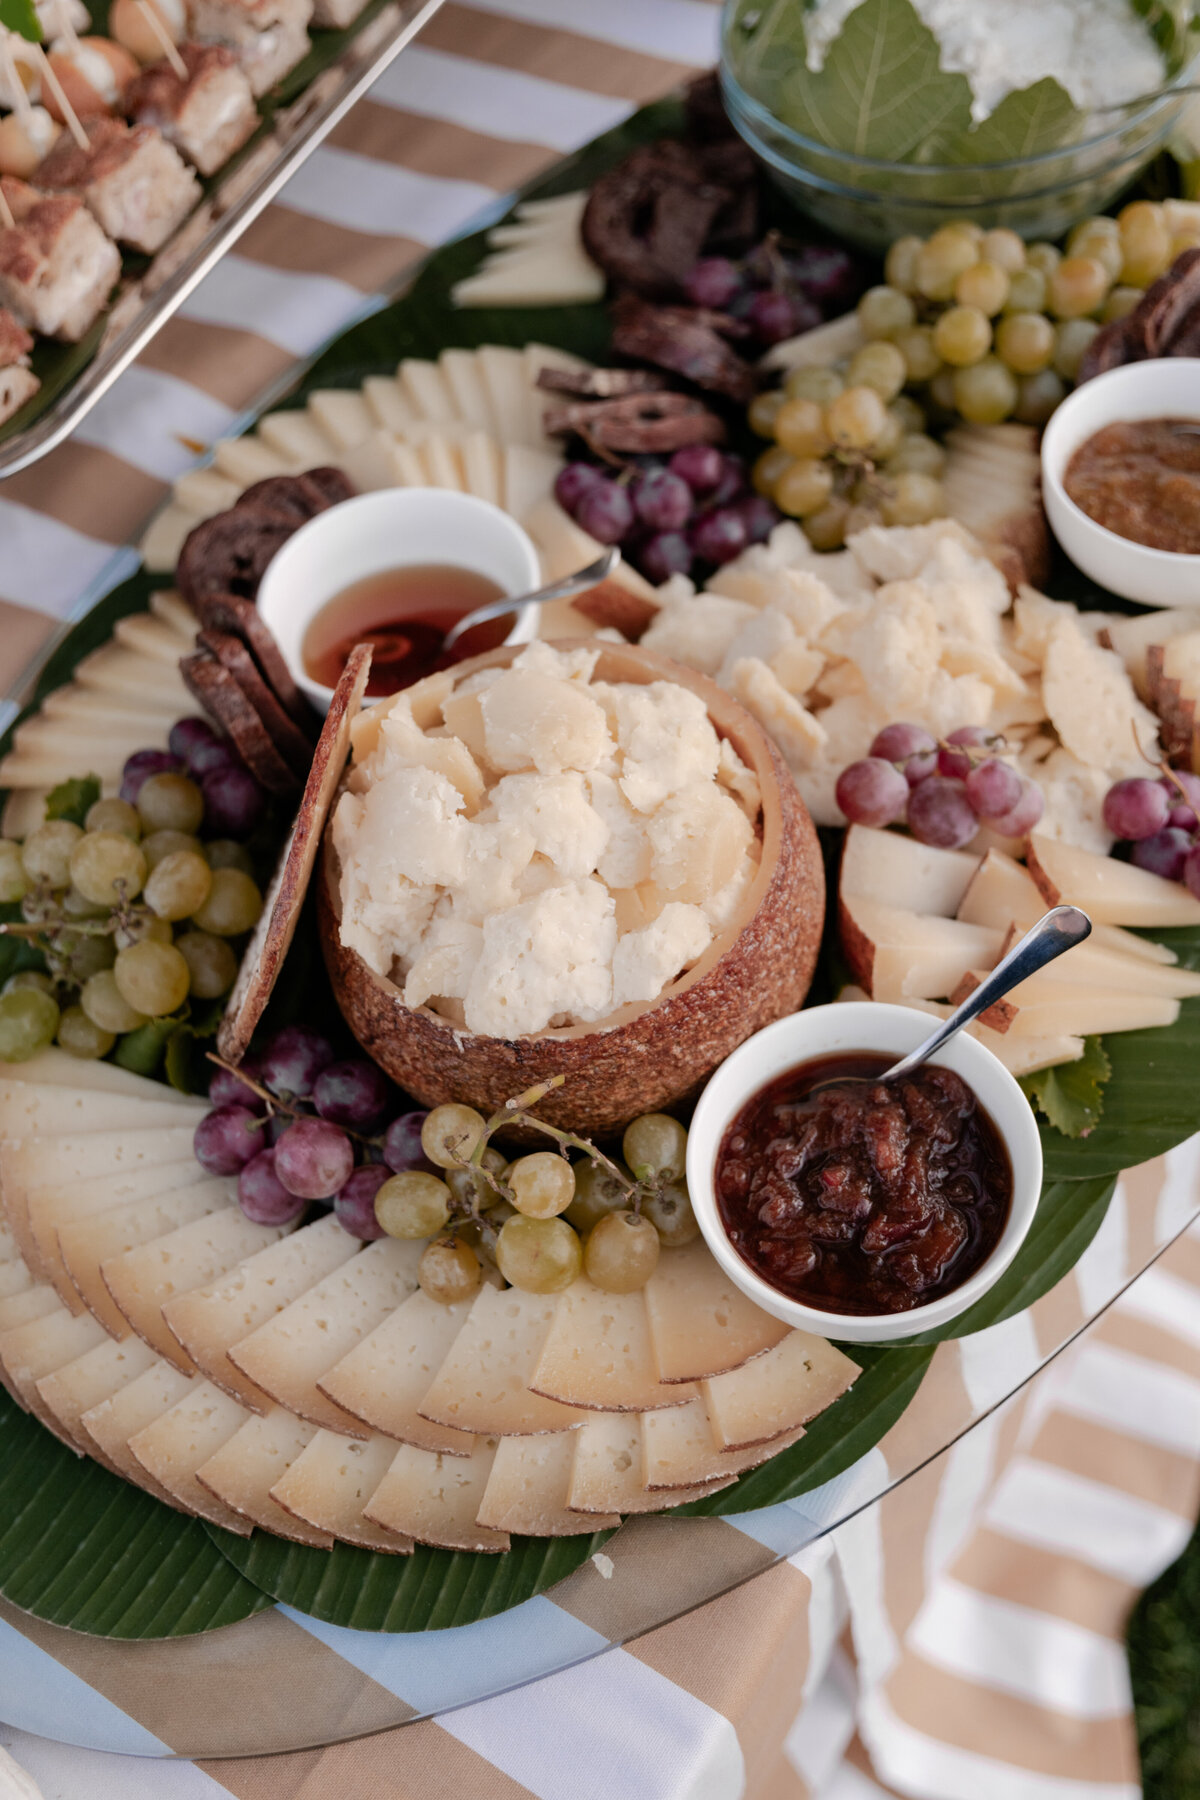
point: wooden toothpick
(167, 43)
(6, 211)
(64, 105)
(22, 104)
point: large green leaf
(81, 1548)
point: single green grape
(855, 419)
(212, 966)
(1004, 248)
(168, 843)
(985, 286)
(800, 428)
(470, 1188)
(910, 414)
(825, 529)
(669, 1210)
(912, 499)
(900, 263)
(450, 1134)
(449, 1272)
(542, 1185)
(14, 882)
(224, 853)
(621, 1253)
(35, 979)
(1077, 287)
(140, 928)
(152, 977)
(768, 468)
(883, 311)
(942, 259)
(107, 868)
(804, 486)
(87, 952)
(1070, 341)
(1038, 396)
(655, 1147)
(1098, 239)
(170, 802)
(962, 336)
(1045, 258)
(106, 1006)
(77, 906)
(819, 384)
(1025, 341)
(413, 1204)
(889, 439)
(1120, 303)
(985, 393)
(114, 815)
(28, 1023)
(921, 360)
(880, 366)
(1145, 243)
(597, 1193)
(539, 1256)
(179, 885)
(1027, 292)
(80, 1036)
(46, 852)
(233, 904)
(920, 454)
(762, 411)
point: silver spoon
(557, 590)
(1058, 930)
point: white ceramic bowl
(1168, 388)
(891, 1030)
(391, 529)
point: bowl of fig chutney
(860, 1210)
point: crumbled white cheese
(668, 740)
(548, 958)
(645, 961)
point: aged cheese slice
(1020, 1056)
(165, 536)
(247, 459)
(86, 1243)
(1097, 967)
(145, 1278)
(46, 770)
(205, 492)
(169, 605)
(60, 1203)
(15, 1277)
(147, 636)
(383, 1379)
(245, 1469)
(1002, 893)
(468, 395)
(483, 1385)
(122, 672)
(678, 1449)
(95, 1376)
(296, 436)
(290, 1353)
(55, 1068)
(564, 546)
(440, 459)
(537, 273)
(427, 393)
(27, 1110)
(700, 1323)
(84, 709)
(606, 1475)
(434, 1499)
(508, 392)
(43, 1161)
(787, 1387)
(882, 865)
(31, 1303)
(1112, 892)
(528, 477)
(111, 1423)
(30, 1351)
(1045, 1006)
(331, 1481)
(342, 414)
(388, 404)
(209, 1319)
(179, 1442)
(527, 1489)
(896, 953)
(371, 465)
(482, 468)
(598, 1354)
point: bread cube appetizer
(135, 184)
(18, 383)
(92, 73)
(268, 37)
(207, 115)
(57, 268)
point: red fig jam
(856, 1197)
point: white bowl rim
(804, 1036)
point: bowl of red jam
(858, 1209)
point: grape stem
(275, 1105)
(518, 1110)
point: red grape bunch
(942, 790)
(1160, 817)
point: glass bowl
(870, 202)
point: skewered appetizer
(207, 114)
(57, 268)
(92, 73)
(18, 383)
(135, 184)
(268, 37)
(129, 26)
(26, 138)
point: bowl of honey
(396, 569)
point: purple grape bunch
(942, 791)
(335, 1135)
(777, 290)
(1160, 817)
(234, 802)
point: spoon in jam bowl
(577, 583)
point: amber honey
(404, 614)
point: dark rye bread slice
(223, 700)
(268, 948)
(288, 739)
(240, 618)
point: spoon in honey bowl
(578, 583)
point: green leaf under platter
(73, 799)
(1071, 1095)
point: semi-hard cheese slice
(290, 1353)
(434, 1499)
(29, 1110)
(57, 1203)
(331, 1481)
(245, 1469)
(678, 1449)
(57, 1068)
(112, 1423)
(527, 1489)
(483, 1385)
(788, 1386)
(178, 1443)
(384, 1379)
(74, 1389)
(144, 1279)
(700, 1323)
(8, 1244)
(31, 1303)
(86, 1243)
(211, 1318)
(606, 1474)
(31, 1162)
(28, 1352)
(15, 1277)
(598, 1354)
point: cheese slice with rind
(55, 1068)
(182, 1440)
(86, 1243)
(245, 1469)
(606, 1474)
(111, 1423)
(30, 1351)
(598, 1354)
(148, 636)
(700, 1323)
(483, 1385)
(26, 1163)
(1002, 893)
(527, 1489)
(31, 1303)
(145, 1278)
(383, 1379)
(468, 396)
(29, 1110)
(60, 1203)
(288, 1355)
(678, 1449)
(8, 1245)
(342, 414)
(388, 404)
(787, 1387)
(422, 385)
(529, 475)
(95, 1376)
(15, 1277)
(434, 1499)
(211, 1318)
(1110, 892)
(331, 1481)
(900, 871)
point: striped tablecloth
(960, 1639)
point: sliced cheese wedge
(342, 414)
(434, 1499)
(179, 1442)
(116, 670)
(483, 1385)
(678, 1449)
(883, 866)
(528, 477)
(1112, 892)
(468, 396)
(482, 470)
(76, 1157)
(15, 1277)
(60, 1203)
(28, 1352)
(246, 460)
(896, 953)
(84, 1244)
(549, 272)
(389, 406)
(95, 1376)
(209, 1319)
(1045, 1006)
(1020, 1055)
(509, 398)
(145, 1278)
(700, 1323)
(55, 1068)
(564, 546)
(426, 392)
(1002, 893)
(441, 461)
(288, 1355)
(383, 1380)
(331, 1481)
(296, 436)
(205, 492)
(165, 537)
(606, 1475)
(147, 636)
(775, 1393)
(1096, 966)
(598, 1354)
(528, 1486)
(30, 1303)
(247, 1466)
(110, 1424)
(169, 605)
(81, 710)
